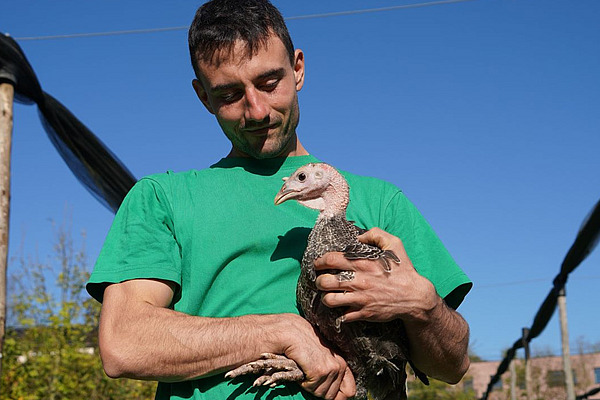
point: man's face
(254, 98)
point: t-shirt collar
(267, 166)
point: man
(198, 272)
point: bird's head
(318, 186)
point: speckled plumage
(376, 352)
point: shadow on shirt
(292, 244)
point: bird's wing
(358, 250)
(362, 251)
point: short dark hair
(218, 24)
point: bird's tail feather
(390, 381)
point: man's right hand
(326, 373)
(141, 338)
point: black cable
(94, 165)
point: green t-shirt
(217, 234)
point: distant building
(547, 377)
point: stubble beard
(281, 143)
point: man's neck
(296, 150)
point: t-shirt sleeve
(141, 243)
(427, 253)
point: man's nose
(257, 108)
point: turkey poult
(376, 352)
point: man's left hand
(375, 294)
(438, 336)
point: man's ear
(202, 95)
(299, 68)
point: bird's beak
(285, 194)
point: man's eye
(230, 97)
(270, 85)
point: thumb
(385, 241)
(378, 237)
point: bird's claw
(274, 369)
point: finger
(376, 237)
(340, 282)
(321, 387)
(343, 299)
(383, 240)
(313, 386)
(347, 387)
(334, 388)
(338, 375)
(333, 260)
(354, 315)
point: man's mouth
(261, 130)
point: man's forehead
(237, 60)
(236, 52)
(240, 52)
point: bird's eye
(301, 176)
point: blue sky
(485, 113)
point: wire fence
(588, 394)
(291, 18)
(585, 242)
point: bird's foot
(274, 368)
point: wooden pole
(6, 125)
(527, 365)
(513, 380)
(566, 351)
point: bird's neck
(327, 214)
(334, 201)
(334, 204)
(327, 207)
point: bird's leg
(274, 368)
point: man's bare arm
(438, 335)
(439, 340)
(141, 338)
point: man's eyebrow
(224, 87)
(275, 72)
